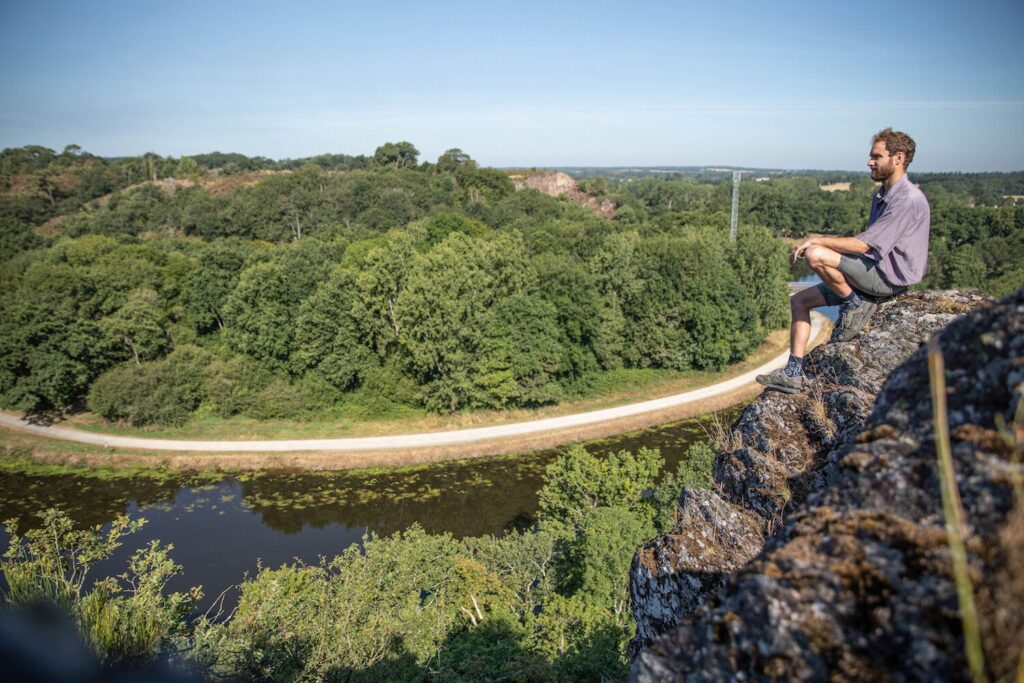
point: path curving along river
(444, 445)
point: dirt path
(406, 449)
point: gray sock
(852, 301)
(795, 366)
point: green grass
(371, 418)
(18, 459)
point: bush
(374, 613)
(695, 471)
(49, 565)
(284, 399)
(232, 385)
(160, 392)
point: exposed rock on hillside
(558, 183)
(854, 581)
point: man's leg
(790, 378)
(800, 306)
(825, 263)
(854, 312)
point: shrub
(49, 565)
(159, 392)
(233, 384)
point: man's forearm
(842, 245)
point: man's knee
(799, 306)
(803, 302)
(821, 257)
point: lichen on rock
(830, 559)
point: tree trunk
(131, 347)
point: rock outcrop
(821, 554)
(558, 183)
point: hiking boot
(852, 321)
(778, 379)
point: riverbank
(546, 429)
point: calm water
(221, 530)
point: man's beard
(881, 174)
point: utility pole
(735, 204)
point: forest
(289, 293)
(152, 289)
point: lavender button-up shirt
(898, 232)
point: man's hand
(798, 253)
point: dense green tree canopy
(347, 281)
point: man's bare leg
(854, 312)
(800, 305)
(790, 378)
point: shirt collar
(898, 188)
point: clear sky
(730, 82)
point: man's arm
(840, 245)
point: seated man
(857, 271)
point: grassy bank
(610, 389)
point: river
(226, 527)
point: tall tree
(396, 155)
(138, 326)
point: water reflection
(88, 500)
(223, 529)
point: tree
(188, 168)
(441, 225)
(207, 287)
(578, 482)
(258, 314)
(396, 155)
(48, 339)
(571, 290)
(379, 283)
(520, 356)
(138, 326)
(453, 160)
(328, 338)
(455, 318)
(761, 261)
(378, 611)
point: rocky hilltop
(821, 554)
(556, 184)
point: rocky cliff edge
(821, 553)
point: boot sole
(783, 389)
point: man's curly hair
(896, 141)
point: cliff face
(822, 552)
(559, 183)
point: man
(858, 271)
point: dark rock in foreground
(822, 553)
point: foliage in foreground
(550, 604)
(126, 618)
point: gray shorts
(862, 273)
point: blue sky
(770, 84)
